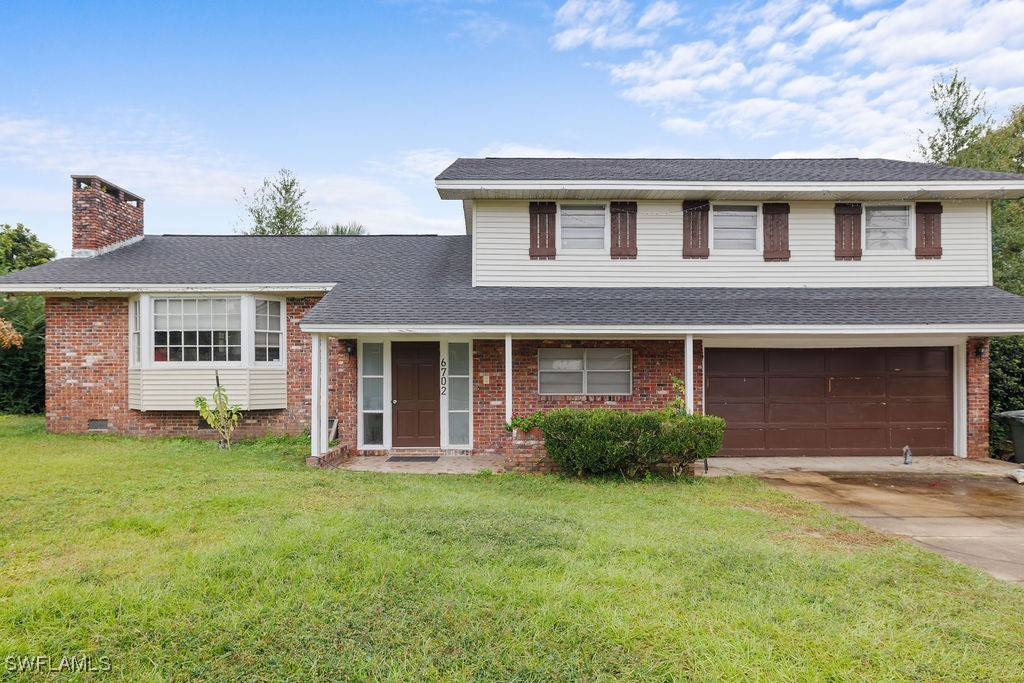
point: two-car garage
(839, 401)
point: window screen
(584, 371)
(887, 228)
(735, 227)
(583, 226)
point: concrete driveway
(968, 511)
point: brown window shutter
(695, 228)
(542, 230)
(848, 232)
(776, 231)
(929, 230)
(623, 229)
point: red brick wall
(100, 219)
(87, 377)
(87, 364)
(977, 398)
(654, 365)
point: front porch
(377, 397)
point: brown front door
(832, 401)
(416, 403)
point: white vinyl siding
(502, 243)
(172, 388)
(887, 227)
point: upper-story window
(734, 227)
(887, 227)
(240, 330)
(583, 226)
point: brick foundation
(977, 398)
(87, 377)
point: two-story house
(821, 306)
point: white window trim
(605, 249)
(911, 229)
(248, 310)
(584, 349)
(445, 353)
(386, 410)
(758, 231)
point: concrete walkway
(966, 510)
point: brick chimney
(103, 216)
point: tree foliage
(22, 326)
(963, 119)
(20, 248)
(277, 207)
(967, 137)
(350, 228)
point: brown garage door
(832, 401)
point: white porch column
(508, 377)
(318, 397)
(324, 413)
(688, 375)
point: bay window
(194, 331)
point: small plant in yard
(526, 422)
(221, 415)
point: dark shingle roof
(426, 280)
(254, 259)
(713, 170)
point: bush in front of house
(605, 441)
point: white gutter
(667, 332)
(982, 189)
(26, 288)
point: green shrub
(1006, 386)
(605, 441)
(23, 370)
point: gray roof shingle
(713, 170)
(426, 280)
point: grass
(179, 561)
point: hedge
(605, 441)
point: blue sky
(187, 103)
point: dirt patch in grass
(839, 539)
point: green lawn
(179, 561)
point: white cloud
(420, 164)
(684, 126)
(611, 24)
(483, 28)
(812, 75)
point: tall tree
(963, 119)
(277, 207)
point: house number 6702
(444, 376)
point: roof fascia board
(982, 189)
(122, 288)
(668, 332)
